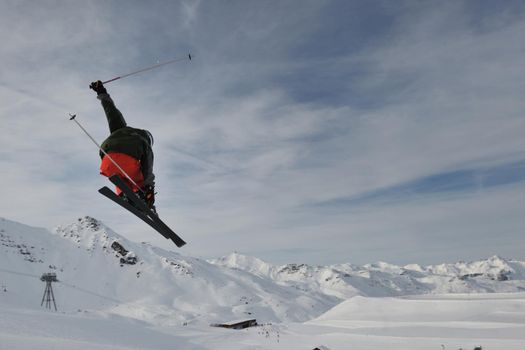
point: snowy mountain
(100, 269)
(109, 285)
(382, 279)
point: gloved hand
(98, 87)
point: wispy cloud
(405, 122)
(461, 182)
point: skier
(129, 147)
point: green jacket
(124, 139)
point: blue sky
(303, 131)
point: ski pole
(148, 68)
(73, 118)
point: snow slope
(161, 287)
(493, 321)
(134, 296)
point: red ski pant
(129, 164)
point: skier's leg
(130, 165)
(146, 166)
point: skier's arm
(113, 115)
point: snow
(135, 296)
(382, 279)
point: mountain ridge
(384, 279)
(102, 270)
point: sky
(304, 131)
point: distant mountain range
(101, 270)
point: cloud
(282, 108)
(463, 182)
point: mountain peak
(496, 259)
(247, 263)
(87, 232)
(90, 223)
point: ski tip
(180, 244)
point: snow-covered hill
(101, 270)
(110, 286)
(449, 321)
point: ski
(141, 210)
(141, 205)
(111, 195)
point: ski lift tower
(48, 292)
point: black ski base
(139, 209)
